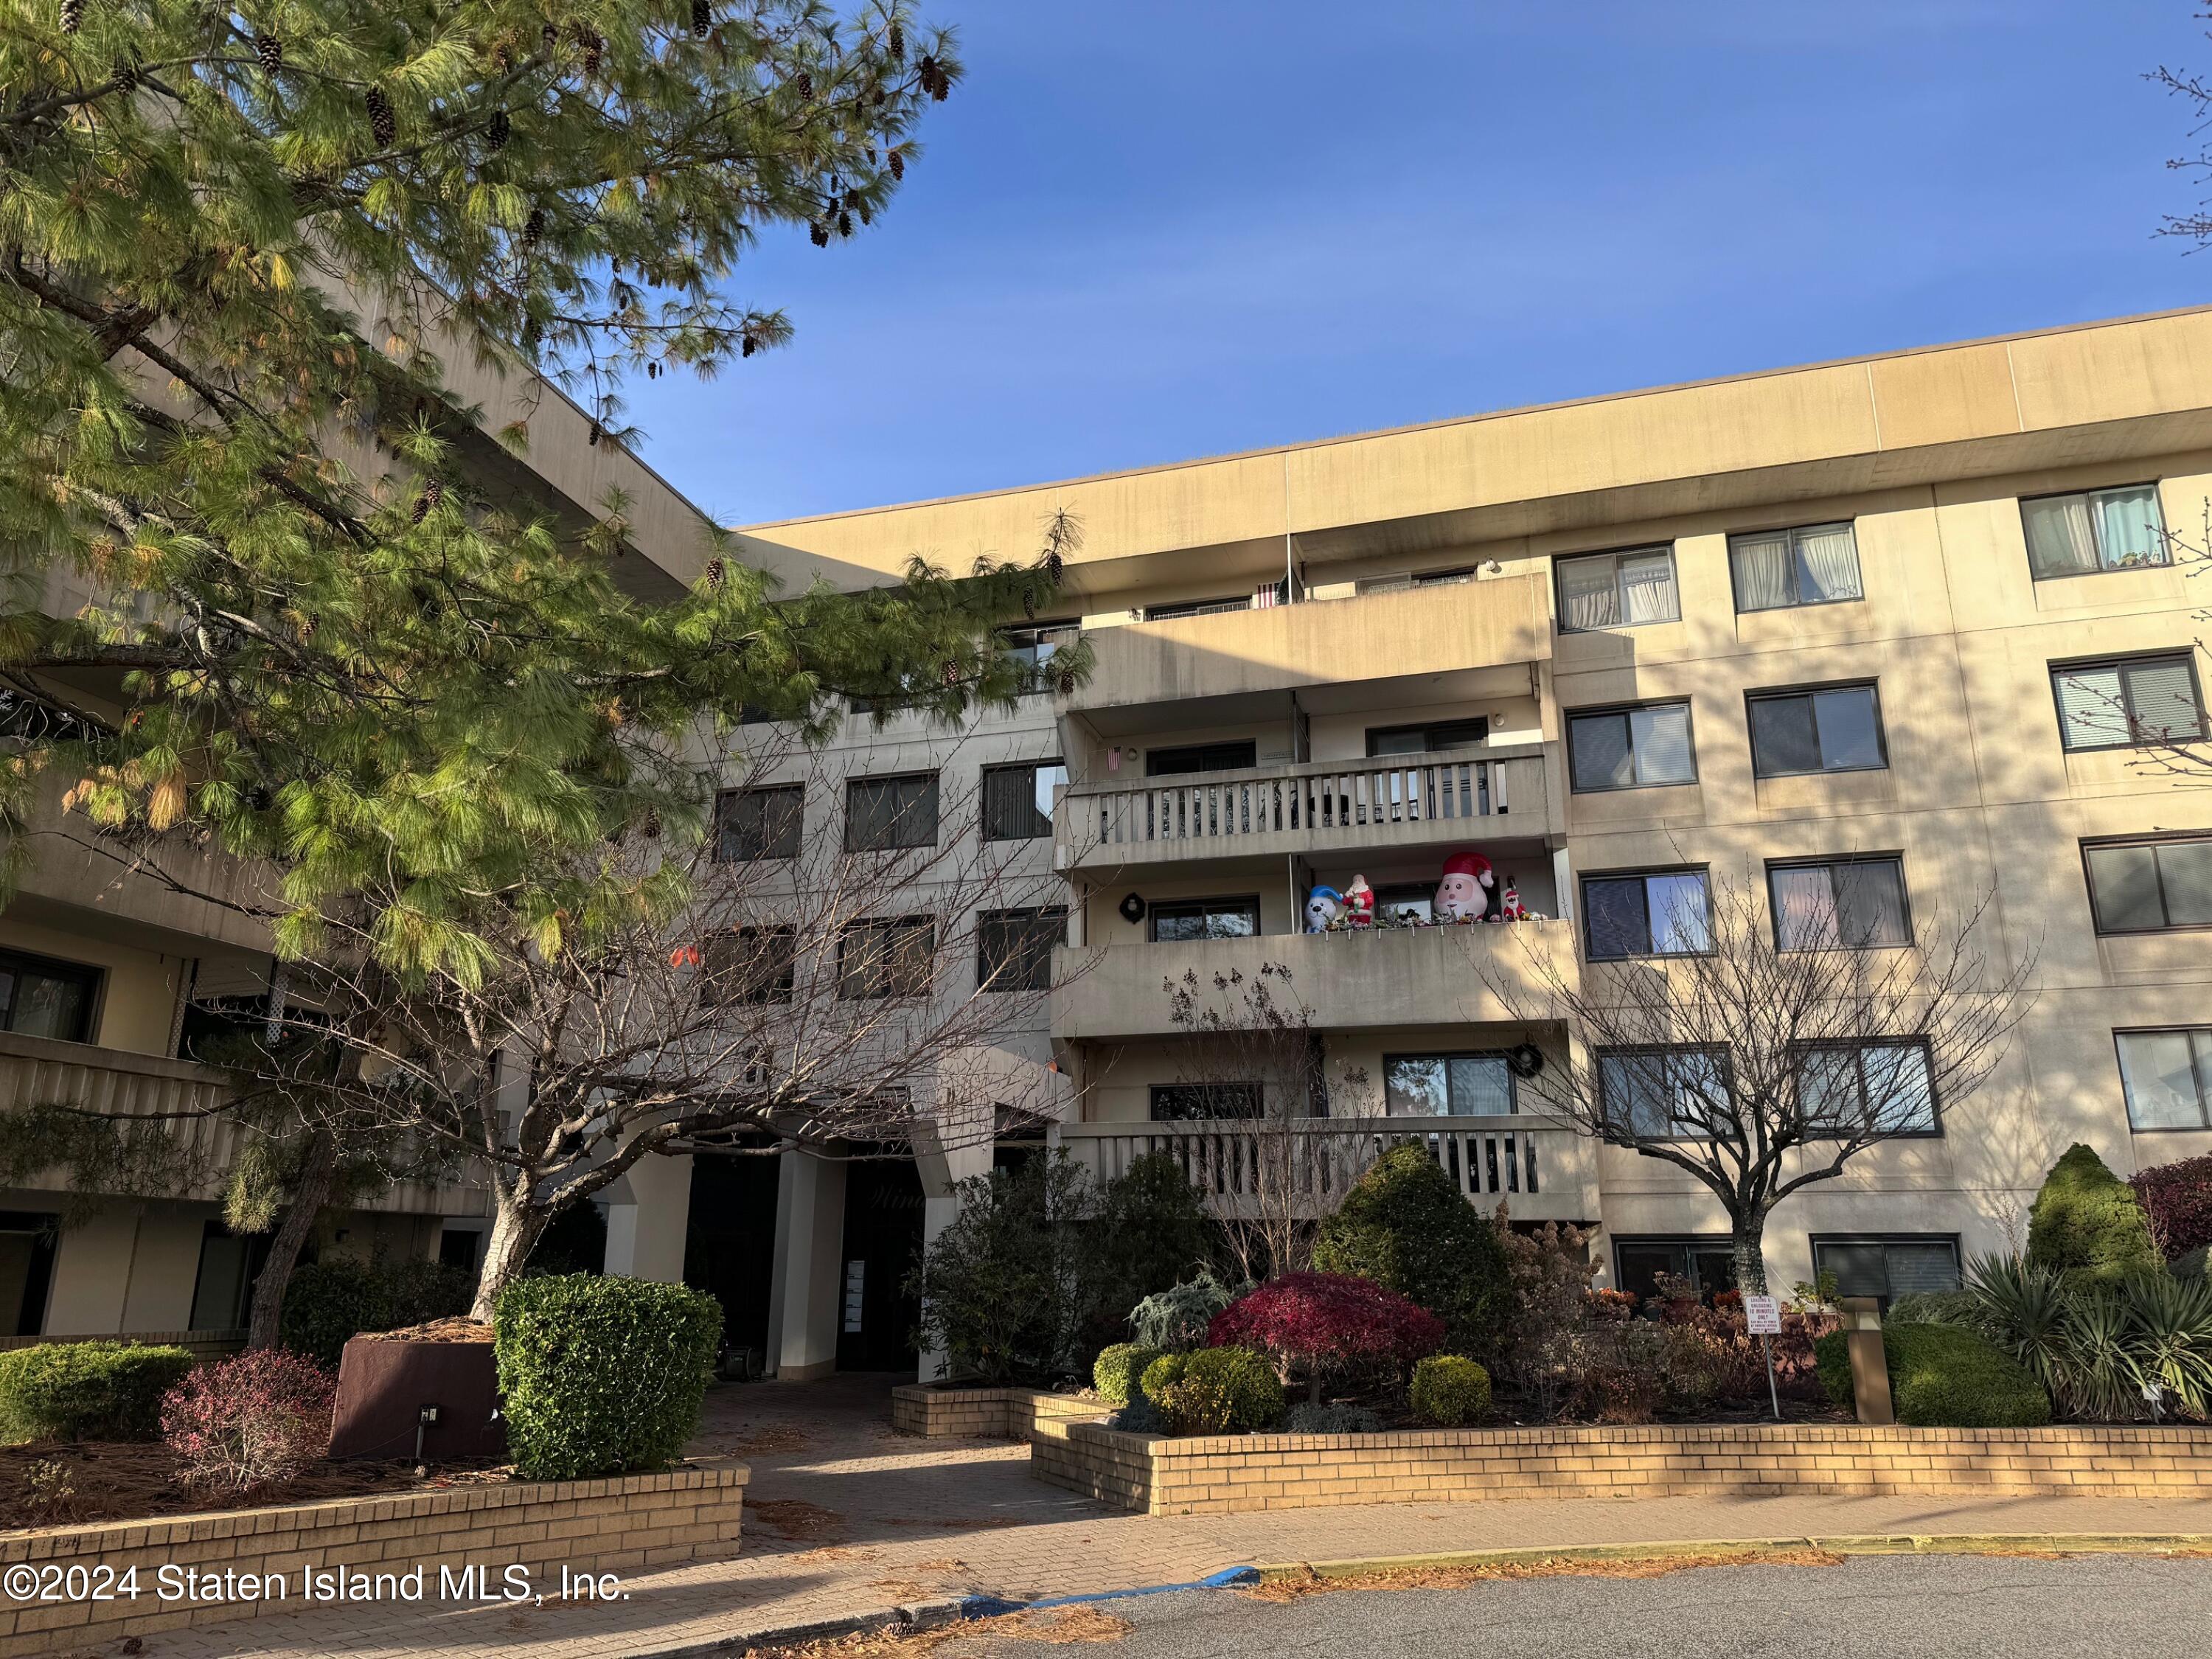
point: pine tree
(222, 288)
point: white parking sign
(1762, 1316)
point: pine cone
(933, 79)
(717, 573)
(899, 165)
(72, 16)
(593, 436)
(703, 18)
(844, 223)
(952, 671)
(747, 345)
(1028, 605)
(818, 234)
(533, 228)
(594, 52)
(269, 49)
(124, 74)
(550, 36)
(1068, 684)
(896, 41)
(427, 502)
(805, 82)
(498, 130)
(383, 123)
(1054, 566)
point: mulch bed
(56, 1483)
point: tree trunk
(318, 1169)
(1750, 1258)
(515, 1227)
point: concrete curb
(1752, 1548)
(911, 1615)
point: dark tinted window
(1887, 1269)
(751, 965)
(1663, 913)
(2145, 886)
(43, 997)
(1635, 747)
(1199, 757)
(759, 823)
(1196, 919)
(1013, 948)
(1426, 739)
(1837, 730)
(1855, 901)
(1173, 1101)
(889, 958)
(882, 813)
(1018, 799)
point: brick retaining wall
(622, 1525)
(1230, 1473)
(998, 1413)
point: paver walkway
(844, 1516)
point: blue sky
(1147, 230)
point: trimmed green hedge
(1215, 1391)
(87, 1390)
(1942, 1376)
(1405, 1225)
(329, 1302)
(601, 1375)
(2088, 1223)
(1450, 1390)
(1120, 1370)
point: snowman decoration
(1324, 906)
(1464, 893)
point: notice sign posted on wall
(1762, 1316)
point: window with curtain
(1659, 913)
(2166, 1077)
(1905, 1264)
(1617, 590)
(1774, 569)
(1018, 799)
(44, 997)
(2130, 702)
(889, 957)
(1834, 729)
(1665, 1094)
(1638, 748)
(1447, 1085)
(885, 813)
(2096, 529)
(1848, 1088)
(1819, 906)
(750, 965)
(1708, 1264)
(2150, 885)
(759, 823)
(1013, 948)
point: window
(1638, 748)
(1426, 739)
(1665, 1094)
(2166, 1077)
(43, 997)
(1177, 1101)
(1199, 757)
(759, 823)
(2128, 703)
(28, 1238)
(1837, 729)
(1399, 583)
(1018, 799)
(1777, 570)
(1859, 902)
(1035, 645)
(889, 958)
(1887, 1269)
(1617, 590)
(1408, 900)
(1447, 1085)
(1848, 1088)
(1195, 608)
(1663, 913)
(750, 965)
(1013, 948)
(885, 813)
(1708, 1263)
(1180, 919)
(2097, 530)
(223, 1289)
(2144, 886)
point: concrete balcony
(1346, 982)
(1313, 808)
(1379, 650)
(43, 1072)
(1542, 1169)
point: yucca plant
(2099, 1377)
(2170, 1338)
(2022, 1309)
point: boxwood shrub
(1942, 1376)
(1118, 1374)
(1450, 1390)
(330, 1302)
(601, 1375)
(87, 1390)
(1215, 1391)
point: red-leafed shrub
(1322, 1325)
(2179, 1198)
(1718, 1341)
(249, 1423)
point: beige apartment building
(1903, 620)
(1907, 615)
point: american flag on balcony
(1266, 596)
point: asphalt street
(1866, 1607)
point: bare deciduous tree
(1759, 1071)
